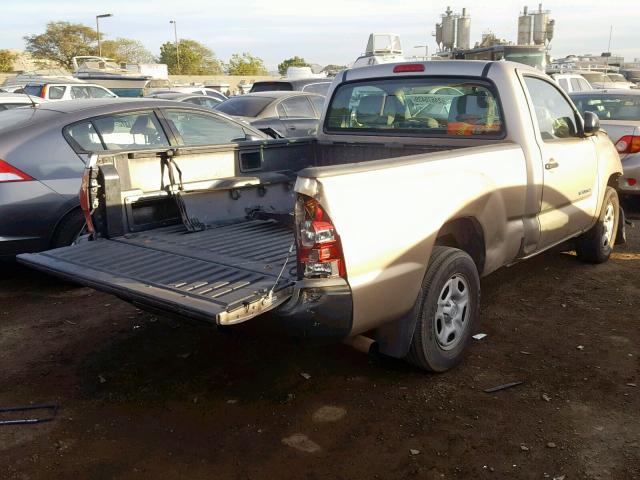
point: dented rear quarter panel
(388, 218)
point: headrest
(143, 126)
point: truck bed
(213, 275)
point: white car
(209, 92)
(15, 100)
(572, 82)
(601, 80)
(67, 91)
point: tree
(245, 64)
(195, 59)
(291, 62)
(6, 60)
(127, 50)
(62, 41)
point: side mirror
(591, 124)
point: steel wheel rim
(608, 224)
(452, 315)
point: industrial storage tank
(525, 23)
(439, 34)
(448, 30)
(540, 21)
(463, 35)
(550, 28)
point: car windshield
(595, 77)
(616, 77)
(418, 106)
(244, 106)
(610, 107)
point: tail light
(9, 173)
(43, 92)
(86, 204)
(408, 67)
(628, 144)
(319, 247)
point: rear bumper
(319, 308)
(631, 171)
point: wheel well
(61, 221)
(613, 180)
(467, 235)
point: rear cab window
(126, 131)
(416, 106)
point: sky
(323, 31)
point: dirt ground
(143, 396)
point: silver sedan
(619, 113)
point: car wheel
(596, 245)
(70, 228)
(447, 310)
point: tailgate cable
(286, 260)
(191, 224)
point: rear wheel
(446, 310)
(596, 245)
(69, 229)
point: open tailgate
(224, 275)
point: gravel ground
(143, 396)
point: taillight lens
(408, 67)
(628, 144)
(85, 201)
(43, 92)
(9, 173)
(319, 248)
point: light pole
(175, 33)
(98, 17)
(426, 50)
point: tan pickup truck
(423, 178)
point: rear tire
(596, 245)
(69, 229)
(447, 310)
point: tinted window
(128, 92)
(610, 107)
(554, 114)
(271, 86)
(56, 92)
(33, 90)
(201, 129)
(129, 131)
(97, 92)
(319, 88)
(417, 106)
(296, 107)
(80, 92)
(244, 106)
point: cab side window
(556, 118)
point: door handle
(551, 164)
(292, 127)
